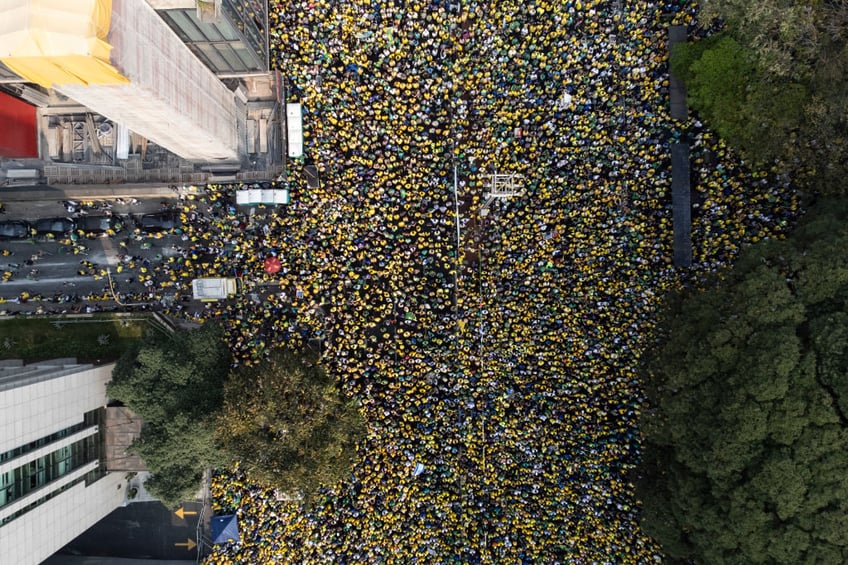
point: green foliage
(774, 85)
(285, 420)
(164, 376)
(785, 36)
(746, 431)
(175, 383)
(756, 115)
(684, 55)
(177, 453)
(290, 425)
(717, 83)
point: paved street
(145, 530)
(52, 269)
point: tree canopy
(746, 437)
(285, 420)
(290, 425)
(176, 384)
(774, 83)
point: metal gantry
(503, 186)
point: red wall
(18, 129)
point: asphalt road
(50, 269)
(143, 530)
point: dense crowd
(503, 363)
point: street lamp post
(457, 260)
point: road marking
(109, 250)
(189, 544)
(181, 514)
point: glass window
(227, 31)
(226, 51)
(89, 477)
(185, 25)
(6, 488)
(210, 31)
(217, 63)
(43, 470)
(249, 59)
(90, 419)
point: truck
(212, 289)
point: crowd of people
(492, 344)
(497, 371)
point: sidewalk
(84, 192)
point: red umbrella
(272, 265)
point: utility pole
(457, 261)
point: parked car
(16, 229)
(56, 227)
(158, 222)
(98, 225)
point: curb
(73, 192)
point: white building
(53, 485)
(171, 97)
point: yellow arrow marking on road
(181, 514)
(189, 544)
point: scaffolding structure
(503, 186)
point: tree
(716, 72)
(724, 84)
(175, 383)
(290, 425)
(746, 436)
(786, 37)
(182, 373)
(285, 420)
(791, 104)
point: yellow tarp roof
(58, 41)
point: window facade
(41, 442)
(235, 44)
(89, 478)
(21, 480)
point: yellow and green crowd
(497, 372)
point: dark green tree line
(746, 437)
